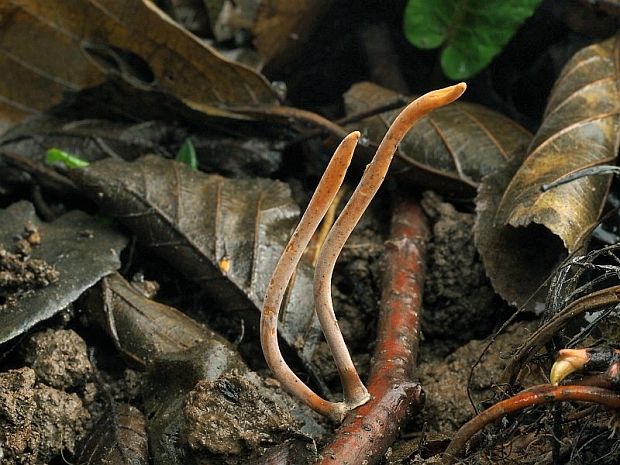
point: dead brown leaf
(516, 260)
(118, 438)
(282, 27)
(449, 150)
(226, 234)
(141, 329)
(53, 47)
(581, 128)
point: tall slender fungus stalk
(355, 393)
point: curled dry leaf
(581, 128)
(521, 231)
(52, 47)
(81, 248)
(449, 150)
(226, 234)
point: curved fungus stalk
(355, 393)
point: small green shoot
(187, 155)
(55, 156)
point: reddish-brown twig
(370, 429)
(537, 395)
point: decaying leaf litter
(131, 311)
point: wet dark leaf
(141, 328)
(96, 139)
(53, 47)
(449, 150)
(520, 230)
(23, 147)
(225, 234)
(90, 139)
(118, 438)
(282, 28)
(81, 248)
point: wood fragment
(369, 430)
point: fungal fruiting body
(355, 393)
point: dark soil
(19, 272)
(448, 405)
(459, 302)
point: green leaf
(70, 161)
(427, 22)
(471, 32)
(187, 155)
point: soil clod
(228, 417)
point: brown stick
(537, 395)
(369, 430)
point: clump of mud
(459, 302)
(19, 272)
(37, 422)
(59, 358)
(45, 407)
(228, 417)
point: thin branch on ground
(368, 431)
(537, 395)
